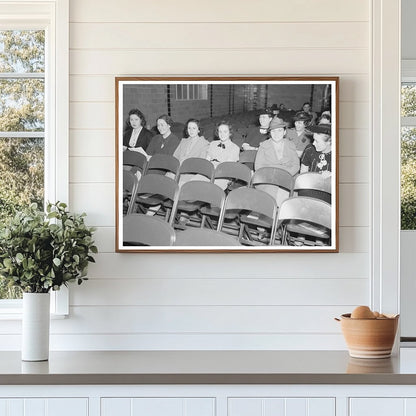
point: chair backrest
(204, 237)
(141, 229)
(250, 199)
(134, 160)
(160, 163)
(273, 176)
(234, 171)
(313, 184)
(196, 165)
(158, 185)
(200, 191)
(303, 208)
(247, 157)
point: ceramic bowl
(369, 338)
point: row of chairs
(239, 173)
(250, 215)
(136, 161)
(306, 184)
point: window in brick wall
(191, 92)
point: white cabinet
(272, 406)
(391, 406)
(157, 406)
(44, 407)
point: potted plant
(40, 252)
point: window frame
(53, 17)
(181, 87)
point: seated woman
(223, 150)
(165, 142)
(317, 156)
(193, 144)
(277, 152)
(135, 134)
(257, 134)
(299, 135)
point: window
(408, 155)
(33, 111)
(191, 92)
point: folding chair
(235, 172)
(196, 203)
(142, 230)
(247, 157)
(162, 164)
(135, 161)
(195, 166)
(275, 181)
(157, 192)
(204, 237)
(313, 184)
(304, 221)
(130, 184)
(252, 214)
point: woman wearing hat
(298, 135)
(317, 156)
(258, 134)
(278, 151)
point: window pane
(22, 51)
(22, 105)
(408, 100)
(179, 92)
(190, 92)
(408, 178)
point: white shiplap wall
(215, 301)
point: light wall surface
(215, 301)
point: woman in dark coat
(135, 134)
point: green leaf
(56, 261)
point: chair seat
(210, 211)
(306, 228)
(257, 220)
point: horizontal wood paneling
(354, 205)
(99, 88)
(270, 301)
(95, 142)
(221, 62)
(354, 169)
(184, 341)
(218, 291)
(217, 35)
(352, 239)
(200, 319)
(219, 11)
(230, 266)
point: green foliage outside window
(408, 160)
(21, 110)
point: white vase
(35, 326)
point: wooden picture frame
(196, 172)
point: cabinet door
(44, 407)
(382, 406)
(158, 406)
(272, 406)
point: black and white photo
(227, 164)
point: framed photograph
(226, 164)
